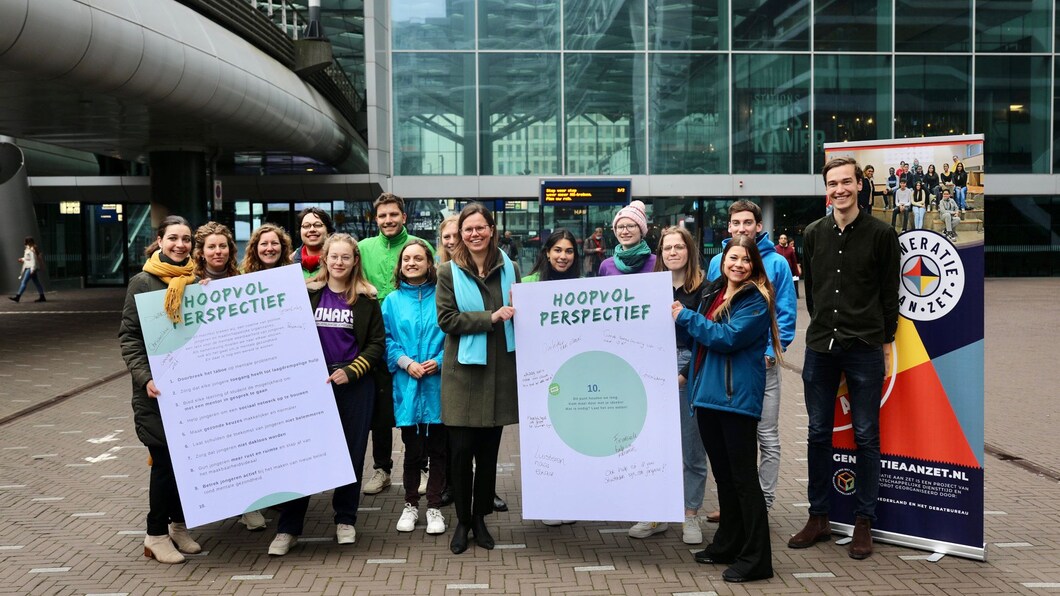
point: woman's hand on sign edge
(502, 314)
(339, 377)
(152, 390)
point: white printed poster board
(600, 437)
(249, 417)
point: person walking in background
(169, 267)
(595, 248)
(31, 262)
(786, 249)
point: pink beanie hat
(634, 211)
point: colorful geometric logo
(932, 276)
(843, 481)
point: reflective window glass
(434, 114)
(1022, 234)
(766, 25)
(433, 24)
(1012, 97)
(604, 113)
(1012, 25)
(688, 25)
(942, 26)
(932, 96)
(520, 25)
(771, 114)
(852, 99)
(604, 26)
(520, 108)
(852, 26)
(689, 116)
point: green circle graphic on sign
(597, 404)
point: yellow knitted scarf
(176, 276)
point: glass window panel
(688, 25)
(434, 114)
(1012, 25)
(518, 25)
(938, 26)
(852, 26)
(604, 26)
(433, 24)
(932, 96)
(689, 96)
(852, 99)
(519, 94)
(604, 100)
(1012, 110)
(1056, 118)
(771, 114)
(770, 25)
(1021, 238)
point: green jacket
(472, 395)
(146, 415)
(371, 341)
(379, 256)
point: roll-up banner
(931, 414)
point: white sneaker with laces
(253, 520)
(378, 481)
(282, 543)
(409, 516)
(691, 533)
(423, 483)
(345, 534)
(435, 521)
(646, 529)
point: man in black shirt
(851, 273)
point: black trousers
(731, 441)
(163, 498)
(383, 448)
(473, 487)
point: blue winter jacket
(411, 320)
(732, 376)
(785, 303)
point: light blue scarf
(469, 299)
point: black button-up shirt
(851, 278)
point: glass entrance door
(115, 236)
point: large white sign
(249, 417)
(598, 401)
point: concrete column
(181, 184)
(19, 219)
(769, 217)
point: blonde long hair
(357, 283)
(444, 256)
(759, 280)
(694, 275)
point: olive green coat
(146, 415)
(474, 395)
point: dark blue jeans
(355, 401)
(821, 373)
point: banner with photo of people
(931, 415)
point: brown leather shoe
(861, 546)
(816, 530)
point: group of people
(910, 190)
(428, 346)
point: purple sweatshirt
(608, 266)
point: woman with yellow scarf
(169, 267)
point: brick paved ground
(73, 493)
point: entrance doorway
(115, 237)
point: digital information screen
(574, 192)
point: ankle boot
(482, 535)
(459, 542)
(15, 298)
(161, 549)
(178, 531)
(861, 546)
(816, 530)
(41, 299)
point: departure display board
(574, 192)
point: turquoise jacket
(411, 320)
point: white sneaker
(378, 481)
(645, 529)
(408, 519)
(556, 522)
(345, 534)
(282, 543)
(253, 520)
(691, 533)
(435, 521)
(423, 483)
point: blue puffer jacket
(411, 320)
(732, 376)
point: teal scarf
(469, 299)
(630, 260)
